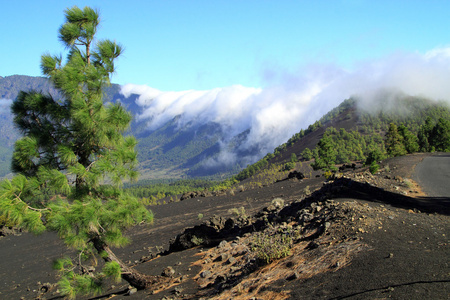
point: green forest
(412, 125)
(418, 125)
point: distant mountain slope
(194, 149)
(167, 151)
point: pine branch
(17, 197)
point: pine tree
(307, 154)
(326, 154)
(394, 142)
(71, 147)
(410, 141)
(441, 135)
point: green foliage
(294, 158)
(307, 154)
(440, 138)
(197, 240)
(15, 210)
(71, 145)
(253, 169)
(395, 142)
(337, 147)
(225, 185)
(237, 212)
(158, 189)
(326, 154)
(272, 244)
(410, 141)
(288, 166)
(112, 269)
(373, 157)
(435, 136)
(328, 174)
(425, 135)
(374, 167)
(72, 283)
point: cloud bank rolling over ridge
(291, 100)
(5, 105)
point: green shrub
(196, 240)
(288, 166)
(272, 244)
(278, 202)
(238, 212)
(374, 167)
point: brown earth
(358, 236)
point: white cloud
(293, 100)
(5, 105)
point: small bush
(240, 188)
(373, 157)
(200, 216)
(328, 174)
(238, 212)
(408, 183)
(278, 202)
(288, 166)
(196, 240)
(374, 167)
(307, 191)
(271, 244)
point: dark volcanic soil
(374, 237)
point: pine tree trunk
(133, 277)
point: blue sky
(181, 45)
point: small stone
(390, 289)
(132, 291)
(168, 272)
(222, 244)
(205, 274)
(232, 260)
(293, 276)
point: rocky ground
(356, 236)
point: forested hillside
(349, 133)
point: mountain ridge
(193, 149)
(169, 151)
